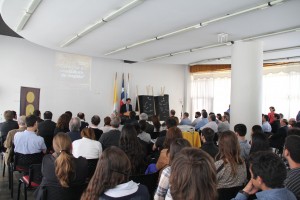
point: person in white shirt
(198, 118)
(87, 146)
(211, 123)
(266, 127)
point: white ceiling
(56, 21)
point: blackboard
(162, 107)
(146, 105)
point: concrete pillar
(246, 84)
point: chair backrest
(60, 193)
(228, 193)
(92, 164)
(25, 160)
(35, 173)
(149, 180)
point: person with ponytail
(62, 169)
(111, 179)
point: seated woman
(111, 178)
(61, 169)
(62, 124)
(95, 123)
(87, 146)
(193, 176)
(164, 185)
(231, 168)
(163, 160)
(130, 144)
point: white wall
(25, 64)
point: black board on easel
(162, 106)
(146, 103)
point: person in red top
(271, 114)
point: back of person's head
(63, 121)
(172, 112)
(143, 125)
(219, 117)
(269, 167)
(266, 117)
(128, 134)
(193, 175)
(281, 115)
(176, 147)
(292, 144)
(14, 113)
(48, 115)
(186, 114)
(229, 150)
(156, 122)
(226, 118)
(64, 165)
(293, 131)
(107, 121)
(112, 169)
(197, 114)
(292, 122)
(115, 122)
(172, 134)
(208, 134)
(212, 117)
(80, 115)
(259, 142)
(37, 113)
(143, 116)
(171, 122)
(240, 129)
(276, 116)
(69, 113)
(8, 115)
(88, 133)
(95, 120)
(74, 124)
(22, 120)
(257, 129)
(284, 122)
(132, 115)
(272, 108)
(204, 114)
(31, 120)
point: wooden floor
(5, 192)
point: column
(246, 84)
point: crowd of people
(227, 166)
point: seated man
(241, 131)
(74, 126)
(291, 153)
(202, 122)
(268, 173)
(46, 129)
(112, 137)
(28, 142)
(185, 120)
(149, 128)
(207, 137)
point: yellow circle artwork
(30, 97)
(29, 109)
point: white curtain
(281, 89)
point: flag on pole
(127, 91)
(115, 96)
(122, 100)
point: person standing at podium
(127, 107)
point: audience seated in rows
(149, 127)
(62, 124)
(241, 131)
(163, 160)
(211, 123)
(224, 125)
(87, 146)
(170, 122)
(28, 142)
(95, 121)
(83, 123)
(111, 178)
(207, 138)
(193, 176)
(74, 126)
(268, 173)
(143, 135)
(202, 122)
(112, 137)
(231, 168)
(46, 129)
(164, 184)
(197, 118)
(185, 119)
(37, 113)
(62, 169)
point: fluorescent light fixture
(123, 9)
(141, 42)
(179, 31)
(208, 47)
(73, 39)
(158, 57)
(91, 28)
(271, 34)
(180, 52)
(115, 51)
(28, 12)
(284, 58)
(282, 49)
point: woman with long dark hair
(111, 179)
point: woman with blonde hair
(111, 178)
(231, 168)
(61, 169)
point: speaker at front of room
(162, 106)
(146, 103)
